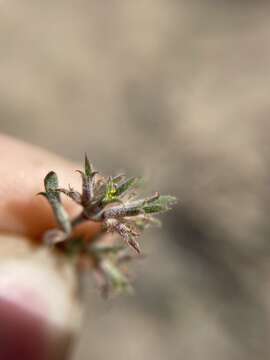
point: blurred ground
(178, 91)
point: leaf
(54, 236)
(128, 236)
(74, 195)
(101, 250)
(117, 279)
(118, 178)
(125, 185)
(100, 187)
(161, 204)
(87, 190)
(131, 209)
(53, 196)
(143, 221)
(134, 244)
(111, 192)
(88, 167)
(51, 182)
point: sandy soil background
(178, 91)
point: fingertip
(39, 303)
(22, 174)
(23, 335)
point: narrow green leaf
(117, 279)
(53, 196)
(118, 178)
(125, 185)
(88, 167)
(111, 192)
(161, 204)
(87, 190)
(100, 250)
(146, 221)
(51, 181)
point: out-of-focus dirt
(178, 91)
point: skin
(23, 168)
(25, 332)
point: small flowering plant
(114, 203)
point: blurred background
(177, 91)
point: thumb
(39, 306)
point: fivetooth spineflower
(114, 203)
